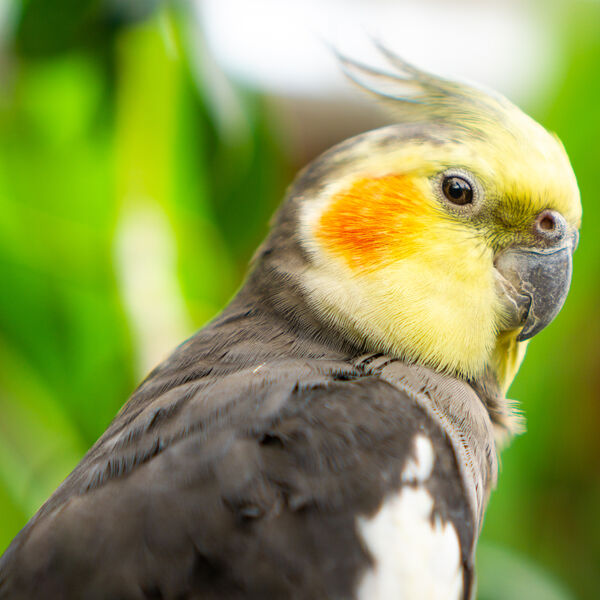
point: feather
(415, 95)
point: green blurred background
(123, 190)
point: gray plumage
(240, 465)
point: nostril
(550, 225)
(547, 223)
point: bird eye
(457, 190)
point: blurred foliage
(107, 116)
(101, 117)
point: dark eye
(457, 190)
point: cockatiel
(333, 432)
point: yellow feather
(438, 303)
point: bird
(334, 432)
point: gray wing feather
(246, 487)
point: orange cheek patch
(374, 222)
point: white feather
(416, 555)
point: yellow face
(396, 262)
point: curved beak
(539, 281)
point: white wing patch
(418, 468)
(416, 555)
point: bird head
(446, 239)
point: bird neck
(275, 284)
(493, 383)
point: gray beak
(539, 283)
